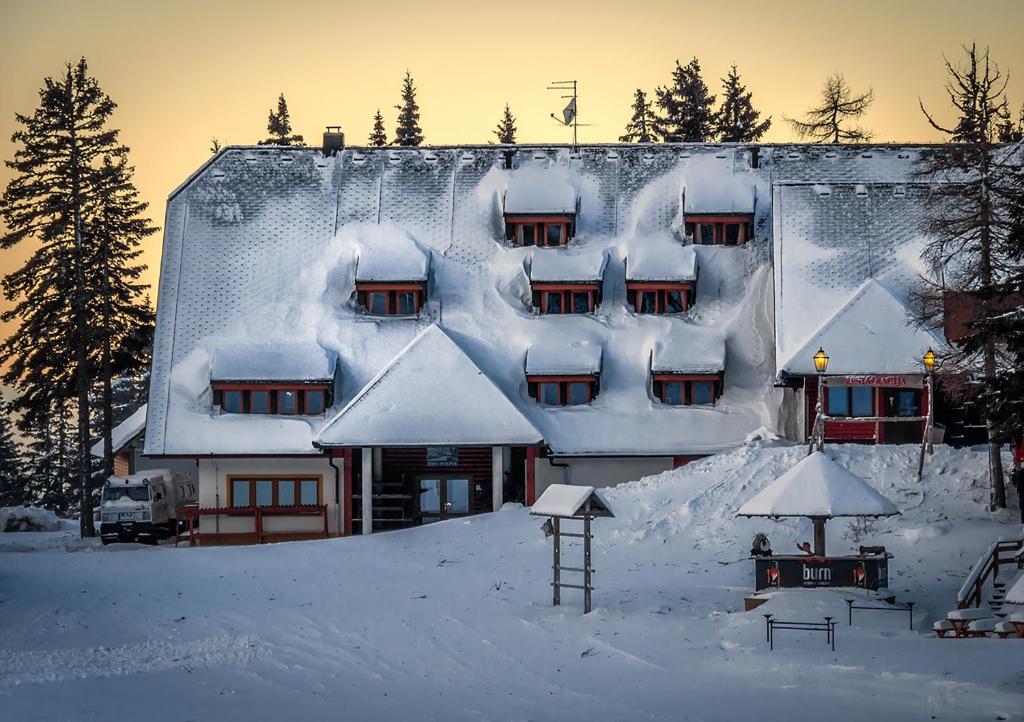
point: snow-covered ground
(454, 622)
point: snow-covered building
(409, 334)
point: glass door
(442, 498)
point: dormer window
(661, 277)
(566, 281)
(562, 390)
(554, 298)
(719, 230)
(659, 297)
(687, 390)
(527, 230)
(563, 374)
(391, 298)
(253, 397)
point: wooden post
(557, 565)
(819, 535)
(346, 494)
(367, 491)
(497, 478)
(586, 562)
(531, 475)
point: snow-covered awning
(567, 266)
(872, 333)
(272, 361)
(389, 254)
(431, 394)
(536, 190)
(554, 358)
(818, 487)
(695, 353)
(719, 193)
(124, 433)
(662, 261)
(564, 500)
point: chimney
(334, 140)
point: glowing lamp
(929, 361)
(821, 361)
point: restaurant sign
(787, 572)
(886, 380)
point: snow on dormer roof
(567, 265)
(660, 259)
(711, 186)
(540, 190)
(554, 357)
(387, 253)
(699, 352)
(272, 360)
(431, 393)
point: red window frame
(688, 380)
(541, 291)
(719, 222)
(534, 383)
(634, 289)
(514, 224)
(364, 288)
(246, 390)
(275, 482)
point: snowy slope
(453, 621)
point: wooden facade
(869, 431)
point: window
(677, 390)
(539, 230)
(719, 230)
(270, 399)
(566, 298)
(381, 299)
(553, 233)
(266, 492)
(850, 401)
(659, 297)
(563, 391)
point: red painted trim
(560, 379)
(718, 218)
(386, 286)
(687, 377)
(658, 286)
(566, 286)
(270, 386)
(522, 218)
(531, 475)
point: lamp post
(818, 436)
(928, 361)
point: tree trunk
(108, 412)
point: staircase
(998, 562)
(393, 506)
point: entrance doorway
(443, 497)
(902, 402)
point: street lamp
(821, 361)
(818, 437)
(928, 361)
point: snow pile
(660, 259)
(28, 518)
(253, 361)
(565, 501)
(710, 187)
(387, 253)
(538, 190)
(567, 266)
(562, 358)
(702, 353)
(123, 433)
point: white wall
(598, 472)
(213, 492)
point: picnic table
(961, 618)
(1017, 620)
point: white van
(143, 507)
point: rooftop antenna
(569, 113)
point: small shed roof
(124, 433)
(563, 358)
(817, 486)
(272, 360)
(696, 353)
(661, 262)
(540, 190)
(569, 266)
(564, 500)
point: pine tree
(1010, 132)
(279, 126)
(687, 114)
(408, 132)
(506, 130)
(968, 224)
(378, 137)
(641, 126)
(828, 121)
(737, 121)
(57, 186)
(50, 460)
(214, 146)
(12, 463)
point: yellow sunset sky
(183, 72)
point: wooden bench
(982, 627)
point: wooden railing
(1002, 551)
(193, 535)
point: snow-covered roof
(710, 186)
(430, 380)
(386, 253)
(124, 433)
(660, 260)
(871, 333)
(564, 500)
(557, 357)
(826, 249)
(1015, 595)
(539, 189)
(567, 265)
(272, 361)
(817, 486)
(696, 354)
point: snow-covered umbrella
(819, 488)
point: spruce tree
(828, 122)
(737, 121)
(378, 137)
(279, 126)
(506, 130)
(58, 182)
(408, 132)
(642, 124)
(687, 114)
(968, 224)
(12, 463)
